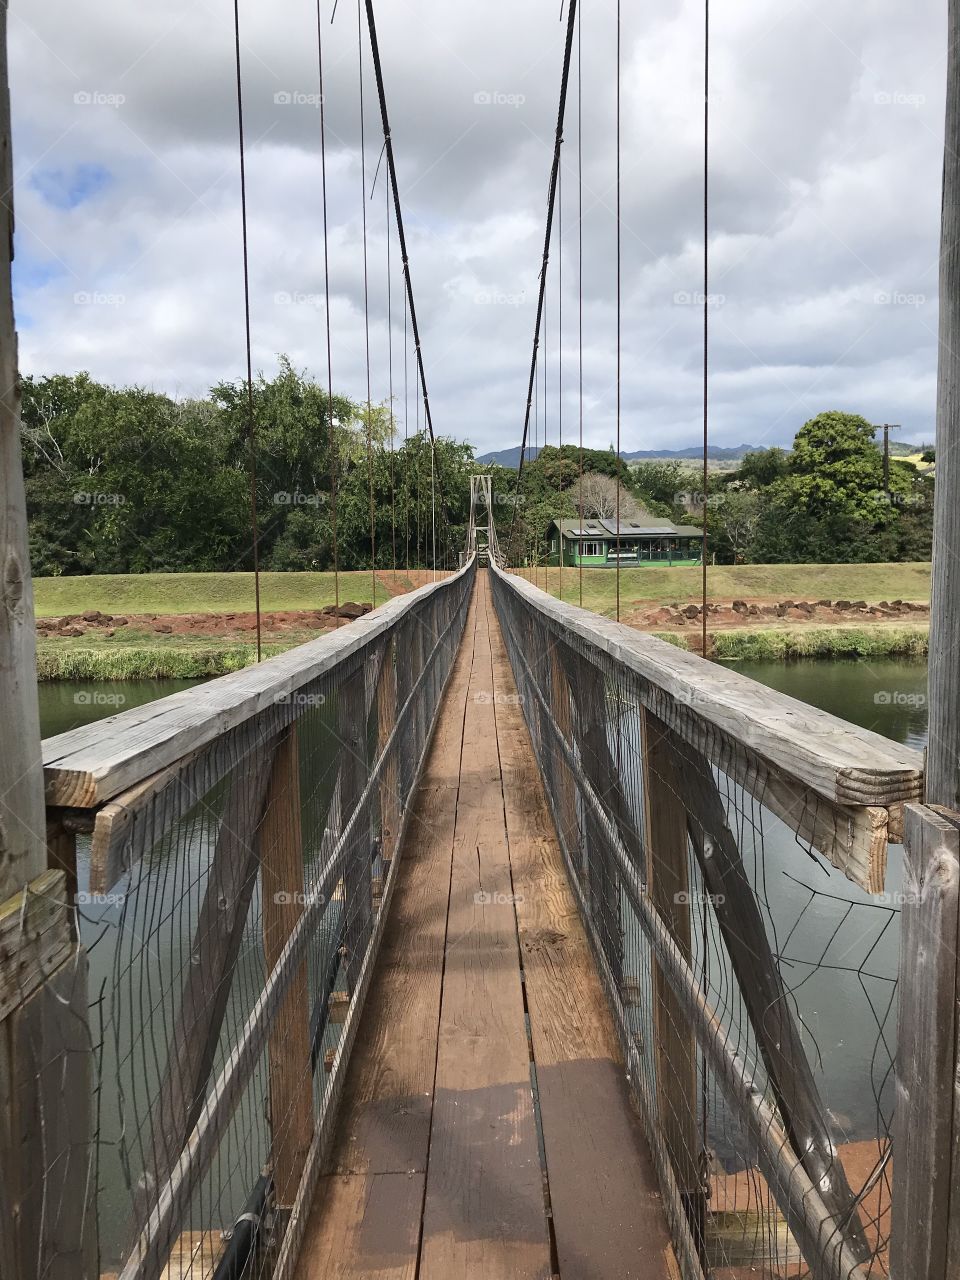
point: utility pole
(943, 751)
(887, 428)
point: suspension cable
(366, 310)
(619, 294)
(551, 199)
(580, 283)
(398, 212)
(393, 475)
(706, 309)
(251, 422)
(331, 430)
(560, 382)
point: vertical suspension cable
(580, 280)
(560, 381)
(433, 497)
(406, 439)
(331, 430)
(366, 309)
(251, 423)
(706, 311)
(619, 300)
(393, 476)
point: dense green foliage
(122, 480)
(823, 502)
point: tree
(732, 524)
(601, 495)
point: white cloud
(827, 139)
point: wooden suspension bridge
(441, 946)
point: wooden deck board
(435, 1171)
(607, 1214)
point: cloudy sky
(825, 187)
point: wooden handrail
(86, 767)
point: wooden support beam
(925, 1227)
(23, 853)
(668, 884)
(764, 994)
(390, 781)
(208, 977)
(943, 750)
(281, 865)
(587, 687)
(354, 770)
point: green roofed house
(646, 540)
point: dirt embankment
(768, 611)
(236, 627)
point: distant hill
(511, 457)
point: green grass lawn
(200, 592)
(870, 582)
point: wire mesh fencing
(230, 907)
(754, 984)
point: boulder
(841, 605)
(739, 606)
(163, 629)
(72, 631)
(691, 611)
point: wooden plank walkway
(447, 1162)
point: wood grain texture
(282, 897)
(839, 761)
(607, 1212)
(926, 1214)
(943, 751)
(367, 1212)
(23, 853)
(92, 764)
(484, 1212)
(668, 883)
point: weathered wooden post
(281, 869)
(45, 1089)
(925, 1229)
(943, 752)
(668, 883)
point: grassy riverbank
(146, 662)
(777, 644)
(733, 582)
(165, 593)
